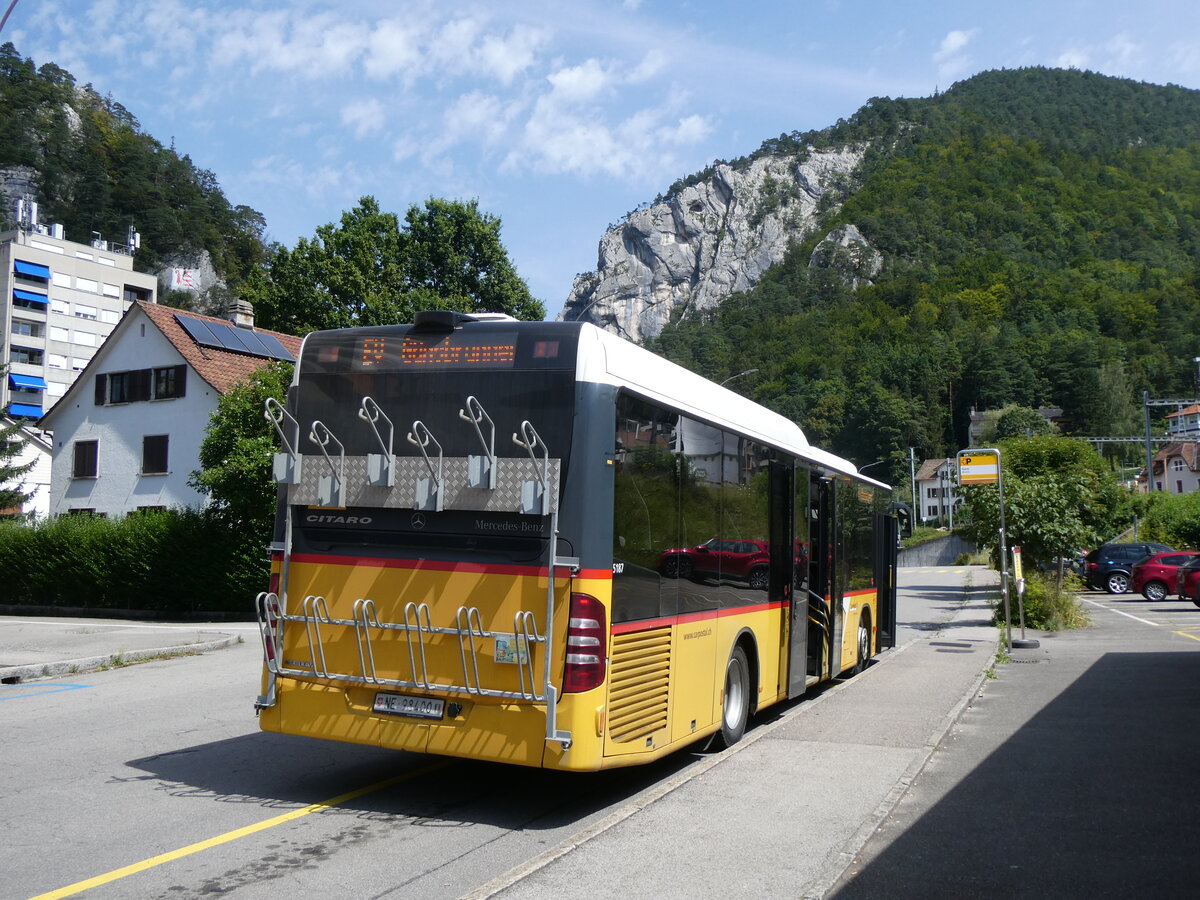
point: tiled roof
(929, 469)
(1189, 411)
(220, 368)
(1188, 451)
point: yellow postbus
(537, 543)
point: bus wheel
(864, 643)
(735, 709)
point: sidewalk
(782, 813)
(44, 647)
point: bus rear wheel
(735, 708)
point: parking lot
(1174, 614)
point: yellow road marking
(1186, 635)
(125, 871)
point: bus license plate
(416, 707)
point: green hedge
(179, 561)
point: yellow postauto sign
(978, 466)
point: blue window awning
(30, 296)
(33, 269)
(25, 409)
(26, 382)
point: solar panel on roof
(220, 336)
(243, 341)
(251, 340)
(275, 348)
(198, 331)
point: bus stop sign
(978, 467)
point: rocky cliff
(717, 237)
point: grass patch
(1048, 607)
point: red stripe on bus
(687, 618)
(437, 565)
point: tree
(1021, 421)
(370, 270)
(235, 455)
(12, 493)
(1059, 495)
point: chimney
(241, 313)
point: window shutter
(101, 389)
(140, 388)
(181, 381)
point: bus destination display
(496, 351)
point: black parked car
(1108, 568)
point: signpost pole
(1023, 642)
(1003, 557)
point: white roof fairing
(607, 359)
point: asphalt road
(1066, 774)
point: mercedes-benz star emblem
(418, 521)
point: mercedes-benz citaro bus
(538, 543)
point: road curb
(37, 671)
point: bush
(180, 561)
(1047, 607)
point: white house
(935, 482)
(127, 434)
(1177, 468)
(35, 448)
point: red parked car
(1187, 584)
(1155, 576)
(747, 561)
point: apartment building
(61, 300)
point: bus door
(789, 566)
(886, 540)
(822, 609)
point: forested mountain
(1040, 237)
(93, 169)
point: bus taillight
(586, 630)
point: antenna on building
(133, 240)
(27, 213)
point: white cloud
(506, 57)
(393, 48)
(363, 117)
(950, 57)
(575, 84)
(1073, 58)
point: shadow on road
(1095, 795)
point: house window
(85, 312)
(154, 454)
(1179, 487)
(169, 382)
(56, 361)
(1177, 465)
(60, 306)
(87, 457)
(118, 387)
(59, 334)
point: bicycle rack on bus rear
(436, 482)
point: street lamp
(738, 375)
(877, 462)
(1196, 360)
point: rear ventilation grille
(639, 684)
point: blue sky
(558, 117)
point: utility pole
(1149, 452)
(912, 480)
